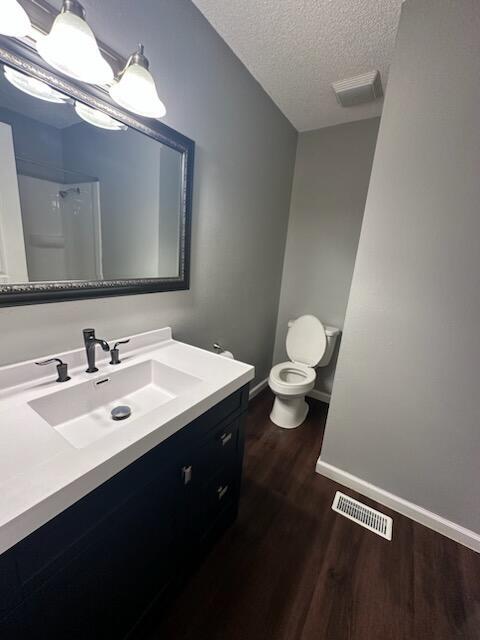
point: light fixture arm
(137, 57)
(73, 6)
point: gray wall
(405, 412)
(127, 165)
(244, 168)
(332, 173)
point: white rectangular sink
(82, 414)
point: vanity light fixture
(135, 88)
(14, 21)
(98, 118)
(33, 87)
(71, 48)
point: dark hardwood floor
(291, 569)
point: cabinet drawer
(226, 411)
(219, 451)
(220, 492)
(235, 403)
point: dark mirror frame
(22, 57)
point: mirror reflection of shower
(65, 192)
(61, 222)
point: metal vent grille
(373, 520)
(358, 90)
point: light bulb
(33, 87)
(71, 48)
(98, 118)
(136, 90)
(14, 21)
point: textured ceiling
(297, 48)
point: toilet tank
(332, 334)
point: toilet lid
(306, 341)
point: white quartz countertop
(42, 474)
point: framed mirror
(94, 200)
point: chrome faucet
(90, 343)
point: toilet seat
(292, 378)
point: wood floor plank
(292, 569)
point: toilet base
(289, 413)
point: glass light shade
(71, 48)
(98, 118)
(33, 87)
(136, 92)
(14, 21)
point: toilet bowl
(309, 344)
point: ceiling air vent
(359, 90)
(361, 514)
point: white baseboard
(429, 519)
(323, 396)
(254, 391)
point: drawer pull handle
(187, 474)
(222, 491)
(225, 438)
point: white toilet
(309, 344)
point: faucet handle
(115, 353)
(121, 342)
(62, 368)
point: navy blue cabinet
(95, 570)
(10, 587)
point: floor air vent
(365, 516)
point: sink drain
(121, 413)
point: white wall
(405, 413)
(244, 166)
(332, 172)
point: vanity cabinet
(96, 569)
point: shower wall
(42, 228)
(61, 225)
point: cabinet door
(102, 591)
(219, 451)
(11, 624)
(10, 594)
